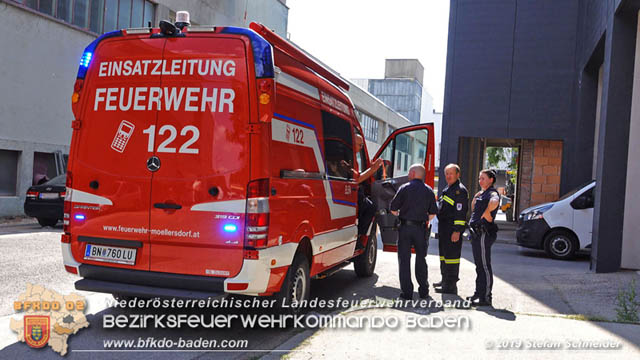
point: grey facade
(520, 69)
(39, 63)
(401, 87)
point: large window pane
(32, 4)
(64, 10)
(97, 12)
(80, 9)
(111, 16)
(149, 14)
(9, 173)
(136, 13)
(124, 14)
(47, 6)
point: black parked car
(46, 201)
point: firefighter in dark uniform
(483, 234)
(452, 217)
(415, 204)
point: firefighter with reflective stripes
(483, 234)
(452, 216)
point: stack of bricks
(547, 163)
(526, 174)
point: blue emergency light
(230, 228)
(86, 59)
(79, 217)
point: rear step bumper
(142, 290)
(147, 283)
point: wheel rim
(299, 286)
(560, 246)
(371, 257)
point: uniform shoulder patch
(459, 206)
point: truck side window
(338, 147)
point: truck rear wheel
(296, 288)
(365, 263)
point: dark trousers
(449, 253)
(416, 236)
(481, 242)
(366, 211)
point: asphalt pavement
(537, 302)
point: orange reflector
(71, 269)
(273, 262)
(264, 99)
(237, 286)
(75, 97)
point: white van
(561, 227)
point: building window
(369, 126)
(9, 173)
(391, 130)
(98, 16)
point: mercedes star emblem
(153, 164)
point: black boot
(448, 288)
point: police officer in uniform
(483, 234)
(452, 216)
(415, 204)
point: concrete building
(41, 46)
(401, 88)
(429, 115)
(553, 78)
(377, 119)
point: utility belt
(477, 228)
(414, 223)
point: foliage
(628, 304)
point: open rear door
(403, 148)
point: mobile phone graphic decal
(125, 130)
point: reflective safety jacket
(453, 205)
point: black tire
(296, 286)
(365, 263)
(561, 245)
(47, 222)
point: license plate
(49, 195)
(110, 254)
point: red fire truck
(205, 160)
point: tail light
(67, 203)
(32, 194)
(257, 214)
(266, 92)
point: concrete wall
(404, 69)
(272, 13)
(630, 240)
(369, 104)
(38, 72)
